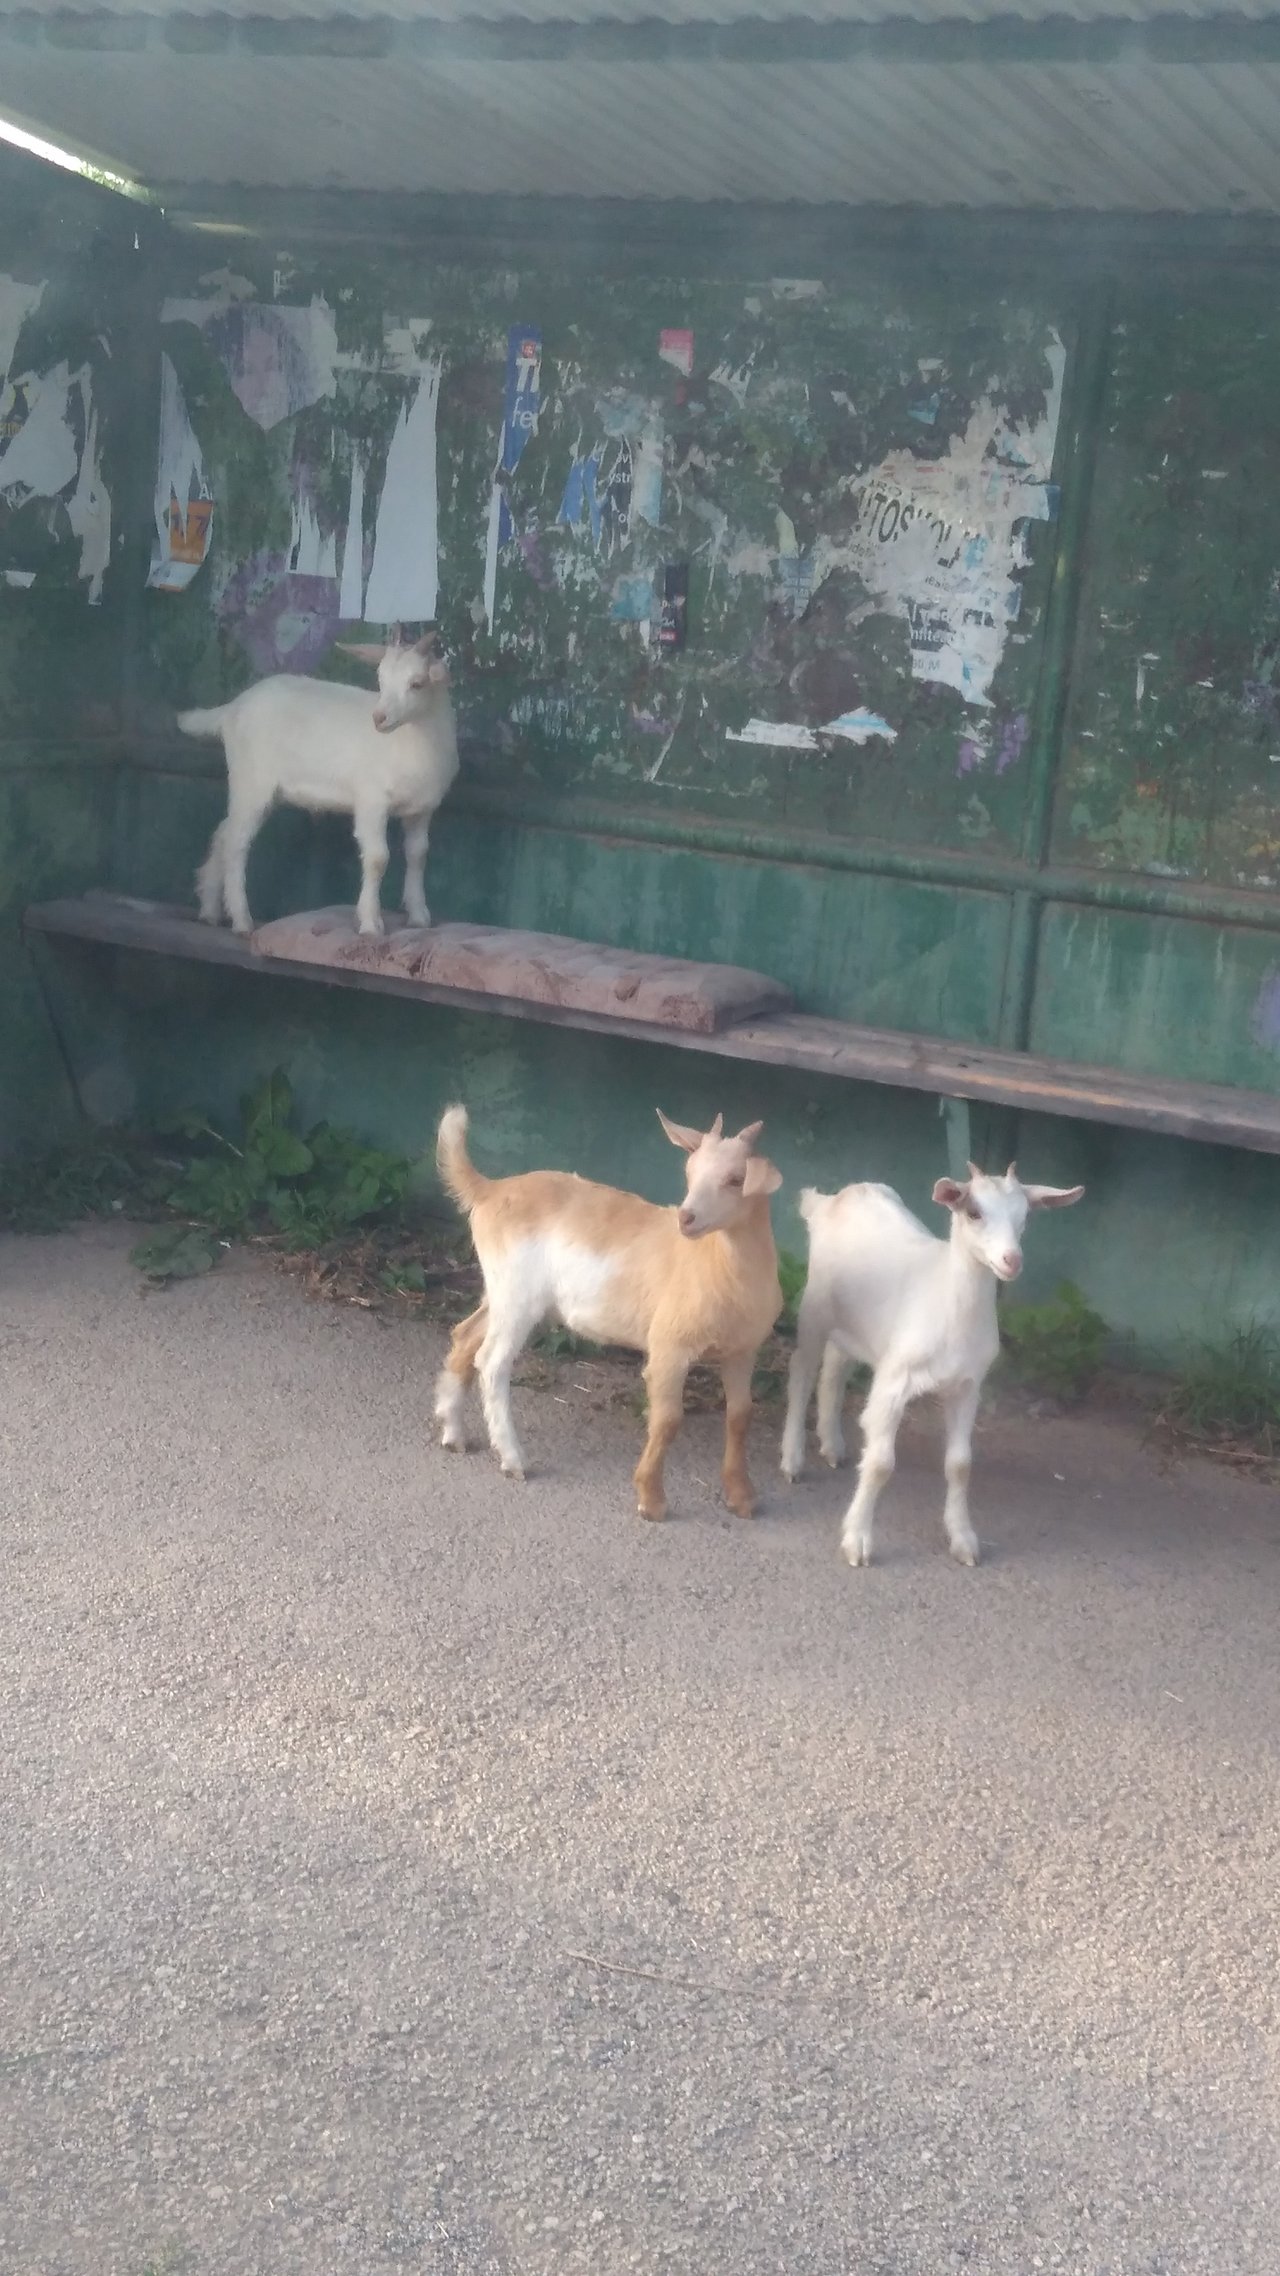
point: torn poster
(784, 735)
(89, 506)
(646, 476)
(311, 553)
(183, 501)
(351, 596)
(736, 382)
(278, 360)
(617, 498)
(49, 443)
(632, 601)
(520, 409)
(17, 302)
(676, 349)
(582, 495)
(941, 542)
(405, 572)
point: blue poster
(520, 410)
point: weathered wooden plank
(537, 968)
(1212, 1113)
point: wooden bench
(713, 1008)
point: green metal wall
(1085, 864)
(62, 661)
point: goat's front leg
(735, 1374)
(417, 831)
(960, 1408)
(371, 838)
(805, 1361)
(664, 1378)
(886, 1404)
(456, 1374)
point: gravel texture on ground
(402, 1869)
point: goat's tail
(208, 724)
(458, 1173)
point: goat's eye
(972, 1210)
(738, 1181)
(418, 683)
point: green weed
(1058, 1346)
(309, 1189)
(1225, 1398)
(792, 1273)
(106, 1173)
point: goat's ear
(1052, 1196)
(761, 1177)
(749, 1136)
(364, 651)
(950, 1192)
(429, 641)
(395, 638)
(437, 669)
(680, 1134)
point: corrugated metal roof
(664, 11)
(1140, 134)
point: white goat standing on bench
(326, 747)
(920, 1312)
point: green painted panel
(1168, 766)
(55, 837)
(1160, 996)
(66, 265)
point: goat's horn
(973, 1170)
(395, 638)
(716, 1127)
(1011, 1172)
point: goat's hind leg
(245, 817)
(806, 1359)
(210, 894)
(456, 1375)
(832, 1385)
(507, 1334)
(886, 1403)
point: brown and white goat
(695, 1283)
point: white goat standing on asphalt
(680, 1285)
(326, 747)
(920, 1312)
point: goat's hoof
(419, 917)
(965, 1552)
(652, 1516)
(792, 1471)
(856, 1553)
(741, 1501)
(513, 1470)
(453, 1441)
(833, 1456)
(242, 932)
